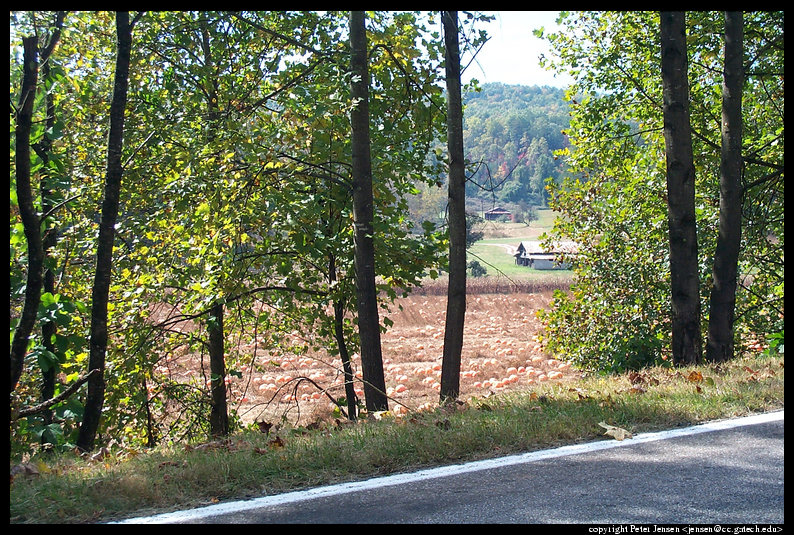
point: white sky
(511, 54)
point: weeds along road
(729, 471)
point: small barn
(532, 254)
(497, 213)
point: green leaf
(47, 360)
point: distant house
(532, 254)
(497, 213)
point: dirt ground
(500, 354)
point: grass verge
(125, 483)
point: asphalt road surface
(727, 472)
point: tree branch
(283, 37)
(187, 317)
(761, 180)
(44, 405)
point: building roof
(527, 248)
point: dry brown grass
(494, 230)
(500, 285)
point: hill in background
(510, 135)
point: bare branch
(44, 405)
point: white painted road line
(397, 479)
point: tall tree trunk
(27, 210)
(456, 291)
(50, 236)
(344, 354)
(219, 417)
(48, 329)
(363, 213)
(719, 345)
(107, 233)
(687, 340)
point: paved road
(723, 472)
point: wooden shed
(497, 213)
(532, 254)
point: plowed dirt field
(500, 354)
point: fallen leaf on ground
(636, 378)
(101, 454)
(24, 469)
(695, 377)
(579, 392)
(618, 433)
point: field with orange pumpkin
(501, 353)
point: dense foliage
(236, 191)
(613, 205)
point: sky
(511, 54)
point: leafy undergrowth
(123, 483)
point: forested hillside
(512, 132)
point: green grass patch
(501, 264)
(124, 483)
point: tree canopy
(614, 204)
(229, 215)
(236, 193)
